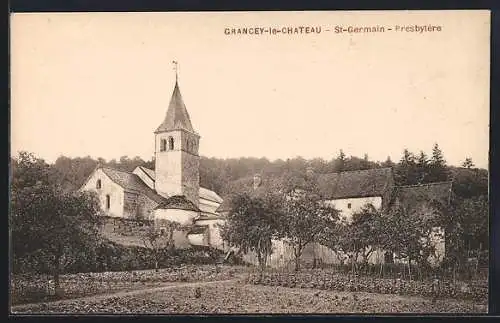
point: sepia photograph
(321, 162)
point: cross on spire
(176, 68)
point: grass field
(238, 297)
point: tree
(388, 162)
(409, 229)
(252, 223)
(43, 218)
(467, 230)
(360, 236)
(468, 163)
(160, 241)
(422, 168)
(305, 217)
(438, 172)
(341, 161)
(406, 170)
(366, 231)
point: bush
(329, 280)
(110, 256)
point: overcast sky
(99, 84)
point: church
(172, 191)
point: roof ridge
(147, 168)
(426, 184)
(145, 172)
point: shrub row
(322, 279)
(110, 256)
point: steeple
(177, 160)
(177, 116)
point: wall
(200, 239)
(145, 207)
(208, 206)
(214, 237)
(191, 177)
(183, 217)
(356, 204)
(130, 201)
(437, 236)
(177, 171)
(437, 240)
(108, 187)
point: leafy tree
(160, 241)
(467, 229)
(44, 218)
(305, 217)
(469, 183)
(366, 231)
(409, 229)
(360, 236)
(252, 223)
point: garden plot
(234, 297)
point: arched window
(170, 143)
(108, 202)
(163, 145)
(98, 184)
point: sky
(98, 84)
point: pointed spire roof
(177, 116)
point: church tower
(177, 163)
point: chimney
(257, 180)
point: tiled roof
(360, 183)
(432, 192)
(177, 116)
(178, 202)
(204, 193)
(131, 182)
(149, 172)
(209, 195)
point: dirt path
(163, 287)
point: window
(170, 143)
(98, 184)
(349, 205)
(163, 145)
(108, 202)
